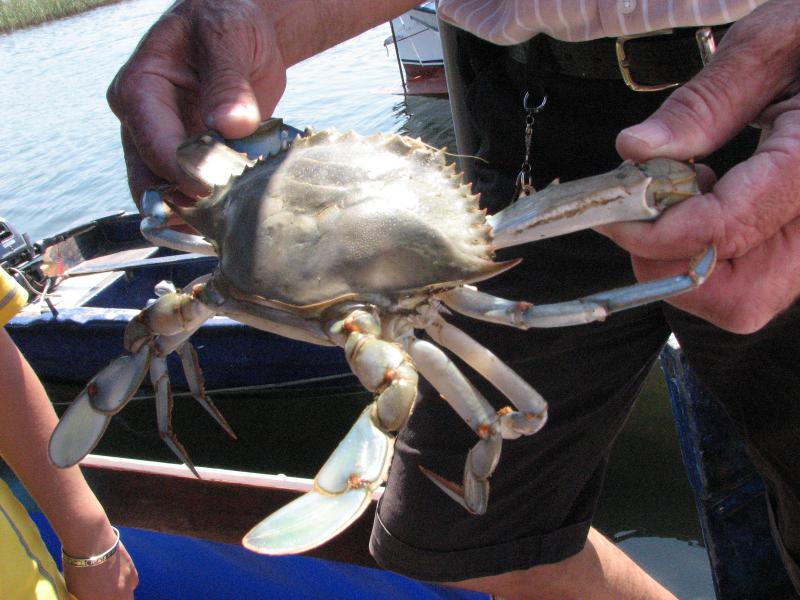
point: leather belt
(648, 62)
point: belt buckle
(705, 45)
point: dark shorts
(546, 486)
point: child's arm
(27, 419)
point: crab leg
(631, 192)
(596, 307)
(360, 463)
(85, 421)
(194, 378)
(169, 323)
(532, 413)
(272, 320)
(159, 376)
(161, 328)
(357, 467)
(476, 411)
(164, 403)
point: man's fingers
(217, 68)
(153, 98)
(156, 130)
(706, 178)
(140, 177)
(742, 294)
(694, 121)
(747, 206)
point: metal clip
(524, 183)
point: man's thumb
(700, 116)
(228, 103)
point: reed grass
(18, 14)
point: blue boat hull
(77, 342)
(728, 492)
(173, 567)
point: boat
(728, 492)
(87, 282)
(91, 279)
(183, 534)
(415, 36)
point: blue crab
(338, 239)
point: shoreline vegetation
(20, 14)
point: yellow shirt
(27, 571)
(12, 297)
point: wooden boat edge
(220, 507)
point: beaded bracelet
(92, 561)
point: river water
(61, 161)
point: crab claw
(155, 226)
(342, 491)
(85, 421)
(210, 160)
(631, 192)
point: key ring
(536, 109)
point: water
(61, 161)
(60, 155)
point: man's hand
(216, 64)
(204, 64)
(752, 214)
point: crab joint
(350, 325)
(355, 480)
(529, 415)
(389, 376)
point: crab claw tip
(453, 490)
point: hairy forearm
(307, 27)
(26, 421)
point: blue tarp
(174, 567)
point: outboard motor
(15, 248)
(19, 257)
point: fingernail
(650, 133)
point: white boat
(415, 35)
